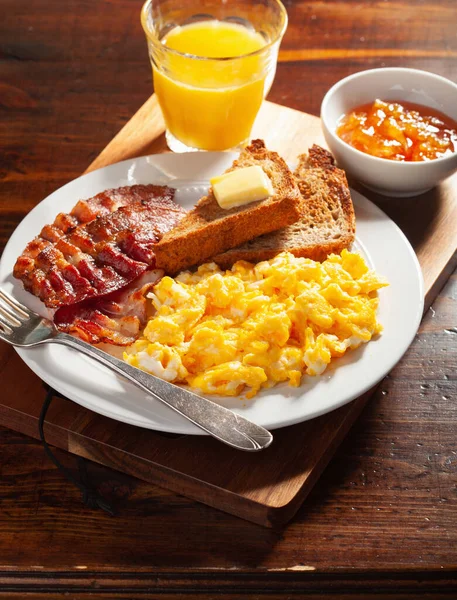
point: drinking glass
(211, 103)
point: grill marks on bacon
(100, 246)
(116, 318)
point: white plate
(93, 386)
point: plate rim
(193, 430)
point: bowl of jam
(393, 129)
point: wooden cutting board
(266, 488)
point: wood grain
(380, 522)
(137, 138)
(265, 488)
(313, 54)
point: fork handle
(220, 422)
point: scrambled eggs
(225, 332)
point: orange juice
(211, 104)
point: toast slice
(326, 224)
(208, 229)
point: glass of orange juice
(213, 62)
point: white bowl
(389, 177)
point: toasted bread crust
(208, 230)
(327, 223)
(335, 179)
(318, 253)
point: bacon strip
(102, 245)
(116, 318)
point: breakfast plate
(378, 239)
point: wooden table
(381, 521)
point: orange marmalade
(403, 132)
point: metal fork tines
(8, 318)
(22, 327)
(12, 312)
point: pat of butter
(241, 186)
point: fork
(19, 326)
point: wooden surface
(265, 488)
(381, 520)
